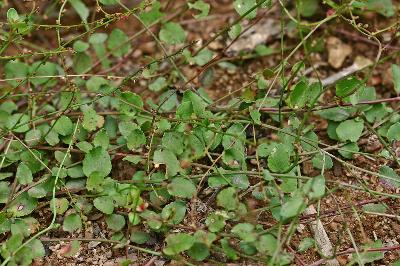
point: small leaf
(63, 126)
(396, 77)
(235, 31)
(62, 205)
(172, 33)
(350, 130)
(374, 207)
(136, 139)
(104, 204)
(72, 223)
(279, 160)
(159, 84)
(307, 8)
(80, 46)
(292, 207)
(118, 43)
(24, 174)
(91, 120)
(347, 86)
(80, 8)
(394, 132)
(23, 205)
(227, 198)
(200, 5)
(305, 244)
(169, 159)
(4, 192)
(243, 6)
(393, 179)
(97, 160)
(267, 244)
(177, 243)
(256, 116)
(181, 187)
(215, 222)
(115, 222)
(245, 232)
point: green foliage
(130, 125)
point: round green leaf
(97, 160)
(181, 187)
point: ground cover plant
(248, 132)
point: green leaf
(177, 243)
(63, 126)
(181, 187)
(396, 77)
(101, 139)
(139, 237)
(174, 213)
(347, 86)
(394, 132)
(292, 207)
(298, 97)
(12, 15)
(159, 84)
(228, 250)
(23, 205)
(245, 231)
(104, 204)
(172, 33)
(95, 182)
(118, 43)
(115, 222)
(235, 31)
(153, 15)
(4, 191)
(200, 5)
(82, 62)
(62, 205)
(393, 180)
(363, 94)
(348, 150)
(334, 114)
(256, 116)
(305, 244)
(97, 160)
(367, 257)
(80, 46)
(80, 8)
(37, 248)
(243, 6)
(45, 69)
(15, 69)
(136, 139)
(169, 159)
(203, 57)
(198, 251)
(95, 83)
(215, 222)
(108, 2)
(72, 223)
(279, 159)
(322, 161)
(350, 130)
(24, 174)
(227, 199)
(383, 7)
(374, 207)
(91, 120)
(32, 137)
(307, 8)
(267, 244)
(19, 123)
